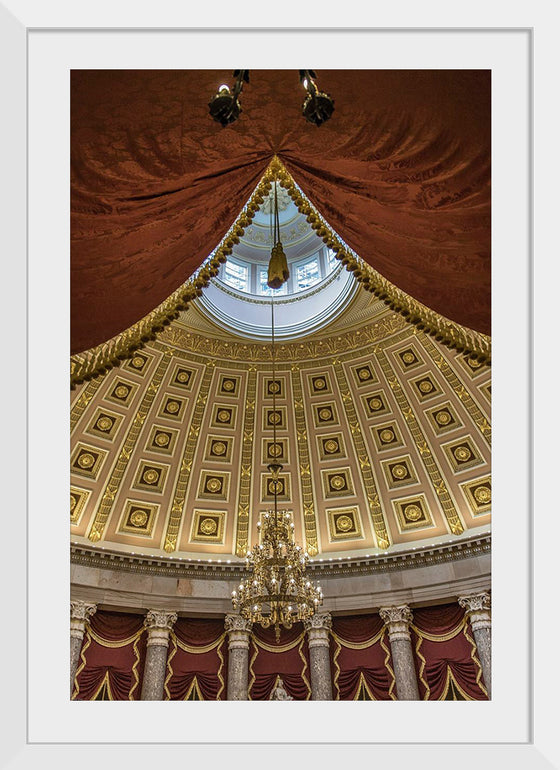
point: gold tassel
(278, 272)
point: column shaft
(159, 624)
(238, 630)
(318, 627)
(403, 666)
(477, 607)
(397, 620)
(80, 613)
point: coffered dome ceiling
(383, 434)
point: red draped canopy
(401, 172)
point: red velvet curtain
(361, 659)
(288, 658)
(112, 658)
(446, 659)
(401, 171)
(196, 664)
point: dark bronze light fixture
(318, 106)
(225, 107)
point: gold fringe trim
(199, 650)
(82, 665)
(388, 666)
(98, 360)
(221, 669)
(444, 330)
(168, 666)
(474, 658)
(441, 638)
(357, 645)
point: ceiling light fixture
(277, 591)
(318, 106)
(225, 106)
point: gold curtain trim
(422, 667)
(80, 668)
(388, 666)
(443, 638)
(221, 669)
(98, 360)
(339, 642)
(122, 643)
(198, 650)
(104, 681)
(358, 645)
(219, 643)
(168, 666)
(450, 678)
(281, 647)
(135, 667)
(304, 669)
(194, 686)
(474, 657)
(336, 665)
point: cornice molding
(189, 568)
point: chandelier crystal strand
(277, 591)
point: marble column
(397, 620)
(318, 627)
(159, 624)
(239, 631)
(80, 613)
(477, 608)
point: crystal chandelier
(277, 591)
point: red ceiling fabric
(401, 171)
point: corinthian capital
(320, 621)
(80, 610)
(80, 613)
(397, 619)
(475, 602)
(237, 623)
(477, 607)
(160, 619)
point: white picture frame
(44, 724)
